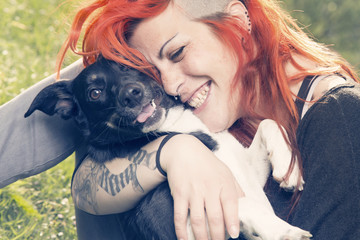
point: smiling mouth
(199, 96)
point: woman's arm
(198, 181)
(31, 145)
(118, 185)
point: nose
(172, 80)
(131, 95)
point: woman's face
(193, 63)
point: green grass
(39, 207)
(32, 32)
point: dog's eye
(95, 94)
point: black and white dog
(114, 105)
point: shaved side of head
(202, 8)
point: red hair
(108, 23)
(261, 73)
(261, 77)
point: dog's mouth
(146, 112)
(150, 116)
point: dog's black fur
(105, 100)
(108, 92)
(120, 109)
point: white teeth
(153, 103)
(200, 97)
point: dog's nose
(131, 95)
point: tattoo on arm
(142, 157)
(85, 186)
(94, 175)
(114, 183)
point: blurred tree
(332, 22)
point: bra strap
(303, 92)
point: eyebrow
(163, 46)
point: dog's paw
(279, 230)
(296, 234)
(290, 183)
(280, 155)
(291, 186)
(286, 231)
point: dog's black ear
(56, 98)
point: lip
(203, 105)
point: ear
(55, 98)
(237, 9)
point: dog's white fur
(251, 167)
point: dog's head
(110, 102)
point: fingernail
(234, 232)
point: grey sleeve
(32, 145)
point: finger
(197, 219)
(181, 212)
(215, 218)
(230, 209)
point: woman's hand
(200, 183)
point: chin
(215, 128)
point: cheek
(203, 58)
(196, 62)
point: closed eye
(177, 55)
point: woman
(235, 63)
(246, 60)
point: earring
(249, 21)
(177, 97)
(178, 94)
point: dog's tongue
(146, 112)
